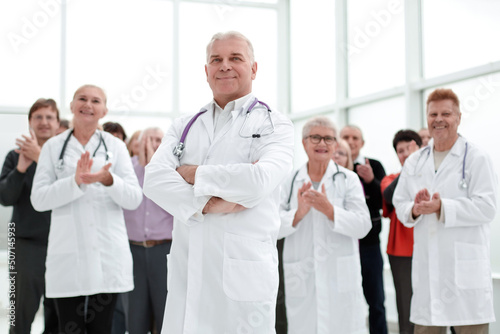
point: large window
(128, 52)
(30, 52)
(459, 34)
(312, 54)
(375, 46)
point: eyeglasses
(340, 153)
(40, 118)
(316, 139)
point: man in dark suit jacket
(370, 172)
(28, 230)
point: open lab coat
(323, 292)
(222, 268)
(451, 274)
(88, 250)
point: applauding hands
(83, 174)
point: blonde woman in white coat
(323, 214)
(85, 177)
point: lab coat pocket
(249, 272)
(348, 273)
(471, 266)
(295, 279)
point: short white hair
(322, 121)
(228, 35)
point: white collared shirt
(222, 116)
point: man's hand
(365, 172)
(425, 204)
(23, 163)
(413, 147)
(188, 172)
(218, 205)
(28, 151)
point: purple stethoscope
(179, 148)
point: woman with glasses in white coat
(85, 177)
(323, 214)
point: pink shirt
(148, 221)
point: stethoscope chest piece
(60, 164)
(462, 184)
(178, 150)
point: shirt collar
(360, 160)
(233, 105)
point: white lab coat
(222, 268)
(88, 250)
(451, 272)
(323, 291)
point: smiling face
(443, 119)
(320, 152)
(229, 70)
(88, 106)
(354, 138)
(44, 123)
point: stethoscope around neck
(60, 162)
(338, 172)
(179, 148)
(462, 184)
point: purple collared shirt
(148, 221)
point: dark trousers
(119, 317)
(86, 314)
(401, 275)
(373, 286)
(281, 321)
(27, 276)
(147, 300)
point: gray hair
(318, 121)
(351, 126)
(151, 129)
(228, 35)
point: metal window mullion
(413, 64)
(341, 115)
(284, 88)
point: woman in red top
(400, 243)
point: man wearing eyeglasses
(28, 230)
(371, 172)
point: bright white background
(349, 59)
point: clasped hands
(309, 198)
(425, 204)
(84, 176)
(214, 204)
(146, 150)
